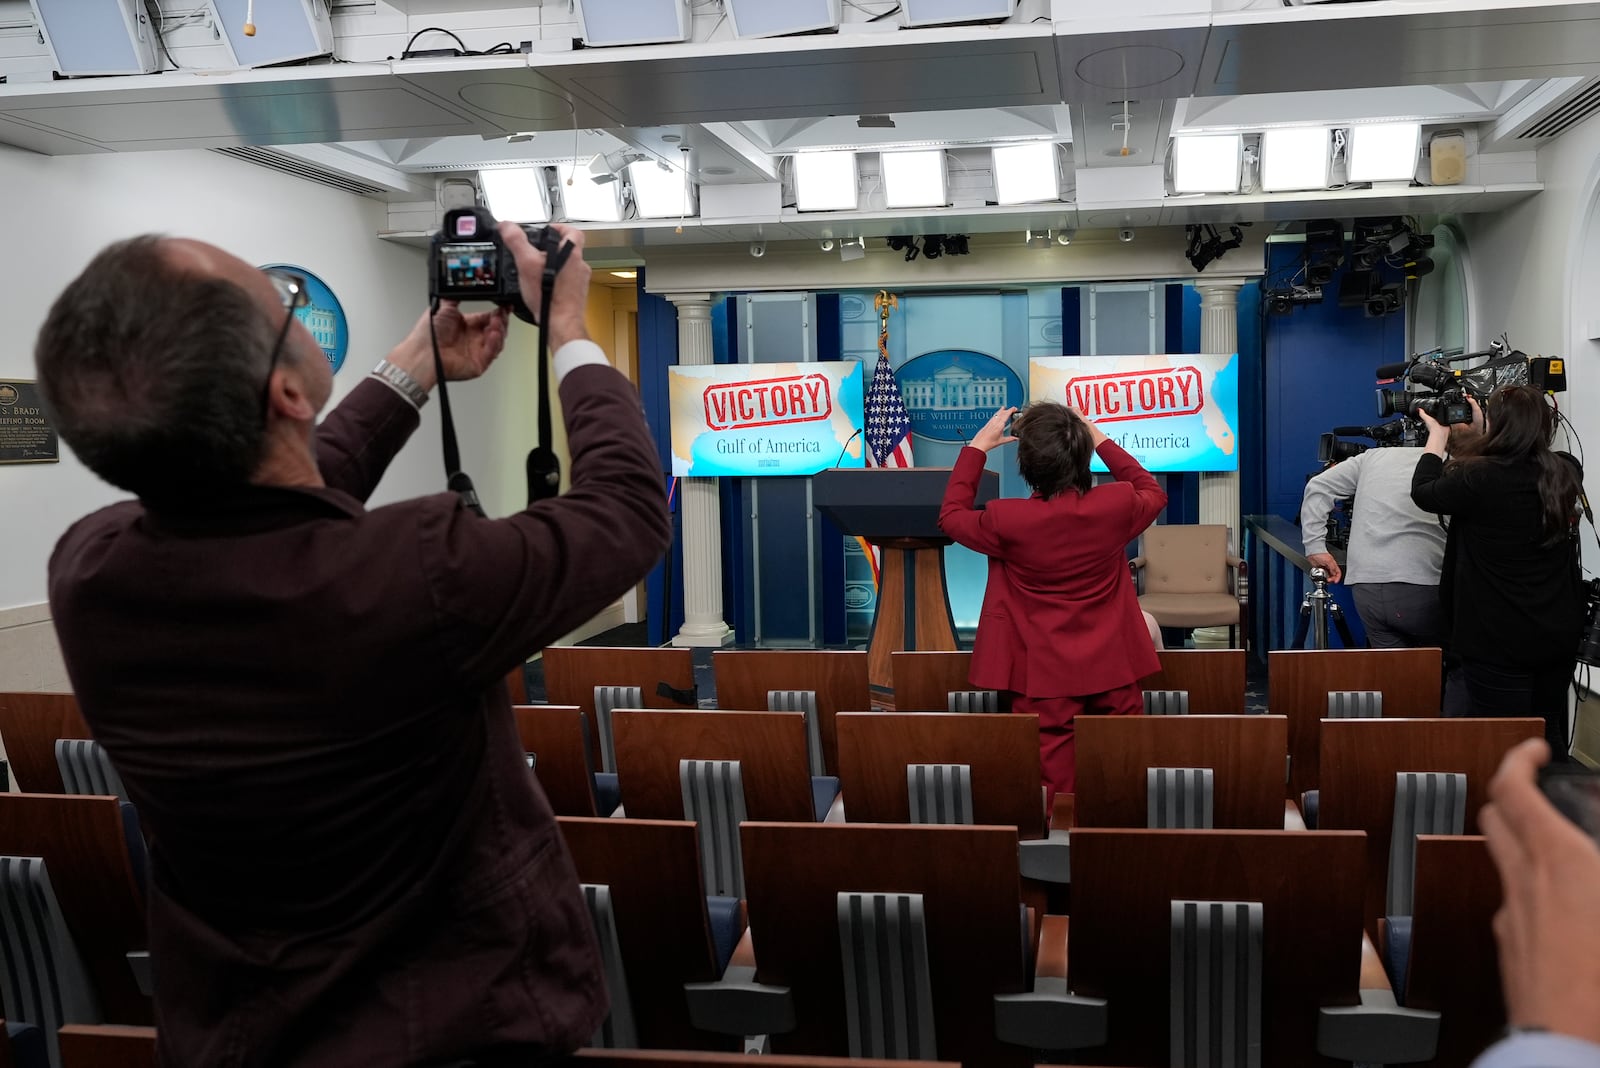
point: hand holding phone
(1574, 790)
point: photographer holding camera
(350, 862)
(1395, 548)
(1511, 587)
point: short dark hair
(1053, 448)
(154, 375)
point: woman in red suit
(1061, 628)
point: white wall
(60, 210)
(1535, 273)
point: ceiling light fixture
(1384, 152)
(1207, 163)
(660, 191)
(1294, 158)
(825, 181)
(631, 22)
(1038, 238)
(516, 194)
(852, 248)
(940, 12)
(1026, 173)
(625, 274)
(914, 179)
(589, 201)
(774, 18)
(96, 36)
(282, 31)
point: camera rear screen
(469, 267)
(1575, 792)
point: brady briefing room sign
(755, 419)
(1171, 413)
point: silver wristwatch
(402, 383)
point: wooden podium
(897, 509)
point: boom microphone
(1353, 431)
(1390, 371)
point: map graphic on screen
(1172, 413)
(747, 420)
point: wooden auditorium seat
(770, 747)
(1361, 758)
(616, 1058)
(923, 681)
(1245, 754)
(1002, 752)
(837, 677)
(1214, 679)
(968, 882)
(1451, 964)
(558, 736)
(1123, 946)
(108, 1046)
(82, 841)
(571, 672)
(664, 931)
(30, 723)
(1299, 681)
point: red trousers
(1057, 743)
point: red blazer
(1060, 615)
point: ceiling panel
(995, 71)
(505, 94)
(243, 108)
(1159, 58)
(1395, 44)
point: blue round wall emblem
(324, 316)
(951, 393)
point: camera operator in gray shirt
(1395, 552)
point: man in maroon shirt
(350, 863)
(1060, 628)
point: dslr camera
(467, 260)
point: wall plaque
(26, 436)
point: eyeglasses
(293, 292)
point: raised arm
(971, 526)
(1434, 490)
(1148, 496)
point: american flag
(888, 425)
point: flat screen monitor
(1172, 413)
(761, 419)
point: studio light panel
(87, 37)
(914, 179)
(516, 194)
(286, 30)
(1026, 173)
(1207, 163)
(632, 22)
(1384, 152)
(825, 181)
(660, 192)
(585, 200)
(773, 18)
(939, 12)
(1294, 159)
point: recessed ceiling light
(672, 139)
(625, 274)
(717, 172)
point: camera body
(1589, 644)
(467, 260)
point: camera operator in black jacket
(1511, 586)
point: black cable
(406, 52)
(892, 11)
(161, 38)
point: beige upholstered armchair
(1187, 578)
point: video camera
(467, 260)
(1430, 384)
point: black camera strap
(543, 465)
(455, 478)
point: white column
(1219, 492)
(703, 624)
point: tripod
(1316, 607)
